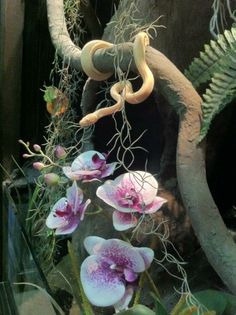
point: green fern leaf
(222, 90)
(211, 60)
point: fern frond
(221, 91)
(211, 60)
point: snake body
(121, 91)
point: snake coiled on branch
(121, 91)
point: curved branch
(209, 227)
(59, 34)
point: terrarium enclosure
(117, 132)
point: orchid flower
(108, 275)
(88, 166)
(131, 194)
(67, 212)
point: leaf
(159, 308)
(212, 58)
(221, 91)
(211, 299)
(231, 304)
(137, 310)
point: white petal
(69, 227)
(74, 195)
(123, 221)
(101, 284)
(53, 221)
(106, 192)
(84, 160)
(71, 175)
(92, 244)
(147, 254)
(124, 302)
(155, 205)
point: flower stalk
(87, 308)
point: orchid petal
(107, 192)
(147, 254)
(123, 221)
(74, 195)
(86, 158)
(101, 284)
(122, 254)
(70, 226)
(143, 183)
(93, 244)
(68, 172)
(53, 221)
(79, 174)
(155, 205)
(124, 302)
(83, 208)
(110, 168)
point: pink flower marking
(118, 264)
(88, 166)
(131, 194)
(67, 212)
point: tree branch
(60, 36)
(206, 220)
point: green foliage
(211, 302)
(138, 310)
(218, 64)
(159, 308)
(213, 58)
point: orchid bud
(25, 155)
(36, 147)
(60, 152)
(38, 166)
(51, 179)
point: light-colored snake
(121, 91)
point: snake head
(88, 120)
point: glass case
(24, 289)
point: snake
(121, 91)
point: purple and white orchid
(131, 194)
(68, 211)
(88, 166)
(108, 275)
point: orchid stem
(85, 303)
(152, 285)
(138, 292)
